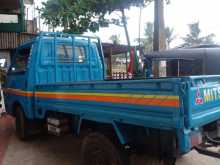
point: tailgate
(203, 99)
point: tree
(194, 37)
(149, 35)
(169, 36)
(78, 16)
(54, 13)
(147, 41)
(115, 39)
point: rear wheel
(21, 124)
(99, 150)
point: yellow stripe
(17, 91)
(114, 95)
(149, 100)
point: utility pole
(159, 32)
(139, 28)
(39, 22)
(124, 20)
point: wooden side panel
(10, 40)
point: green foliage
(169, 36)
(78, 16)
(67, 14)
(147, 41)
(194, 38)
(115, 39)
(149, 37)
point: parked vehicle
(201, 60)
(58, 80)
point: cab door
(17, 80)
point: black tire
(99, 150)
(21, 124)
(170, 161)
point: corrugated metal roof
(189, 53)
(11, 40)
(114, 49)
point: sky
(177, 15)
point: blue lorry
(57, 81)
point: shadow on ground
(50, 150)
(45, 150)
(6, 130)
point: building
(12, 16)
(14, 29)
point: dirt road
(49, 150)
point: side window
(47, 56)
(20, 61)
(80, 54)
(64, 53)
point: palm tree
(147, 41)
(115, 39)
(169, 36)
(194, 37)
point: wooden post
(126, 57)
(124, 20)
(159, 31)
(109, 63)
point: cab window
(80, 54)
(20, 60)
(64, 53)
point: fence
(121, 76)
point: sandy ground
(50, 150)
(65, 150)
(6, 130)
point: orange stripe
(115, 99)
(112, 99)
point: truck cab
(57, 59)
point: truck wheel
(99, 150)
(21, 124)
(170, 161)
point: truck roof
(66, 40)
(63, 37)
